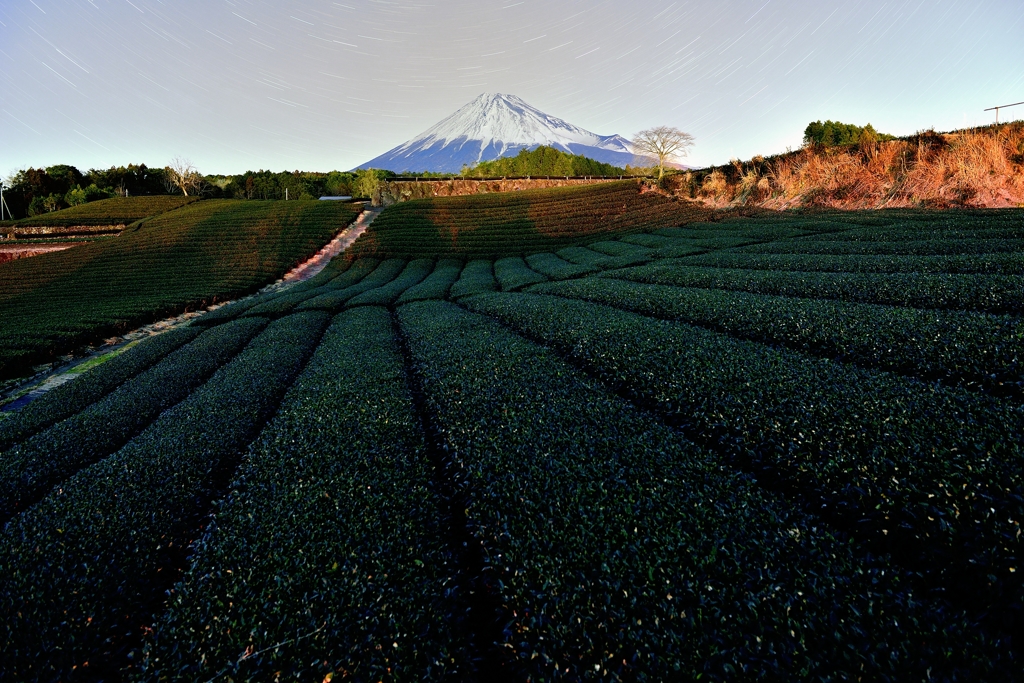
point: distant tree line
(833, 133)
(36, 191)
(296, 184)
(541, 161)
(40, 190)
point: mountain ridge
(495, 125)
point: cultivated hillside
(970, 168)
(784, 447)
(113, 212)
(530, 221)
(188, 258)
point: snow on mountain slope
(495, 125)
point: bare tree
(662, 143)
(182, 175)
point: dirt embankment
(392, 191)
(981, 168)
(24, 231)
(10, 252)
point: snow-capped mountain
(495, 125)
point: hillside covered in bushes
(542, 161)
(979, 167)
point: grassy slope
(190, 257)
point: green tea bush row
(278, 304)
(929, 474)
(74, 396)
(414, 273)
(982, 233)
(627, 553)
(228, 311)
(557, 268)
(588, 257)
(672, 247)
(346, 278)
(747, 229)
(333, 299)
(476, 277)
(931, 247)
(32, 467)
(956, 346)
(725, 242)
(619, 249)
(332, 541)
(1005, 264)
(987, 293)
(83, 572)
(334, 268)
(513, 273)
(437, 284)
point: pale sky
(320, 85)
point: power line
(1002, 106)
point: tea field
(104, 213)
(518, 223)
(181, 259)
(775, 447)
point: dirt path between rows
(319, 261)
(14, 398)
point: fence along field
(599, 459)
(184, 259)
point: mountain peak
(495, 125)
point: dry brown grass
(975, 168)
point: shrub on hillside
(542, 161)
(831, 133)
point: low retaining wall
(392, 191)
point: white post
(286, 194)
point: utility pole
(1002, 106)
(3, 205)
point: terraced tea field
(518, 223)
(181, 259)
(103, 214)
(776, 448)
